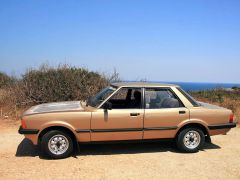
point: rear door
(163, 112)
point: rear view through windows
(157, 98)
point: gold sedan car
(125, 112)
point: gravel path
(19, 159)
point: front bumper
(27, 131)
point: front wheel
(56, 144)
(190, 140)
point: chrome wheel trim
(192, 139)
(58, 144)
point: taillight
(23, 123)
(231, 118)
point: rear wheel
(56, 144)
(190, 140)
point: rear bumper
(27, 131)
(222, 126)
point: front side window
(101, 96)
(127, 98)
(159, 98)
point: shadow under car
(26, 148)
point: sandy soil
(19, 159)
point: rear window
(190, 98)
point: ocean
(194, 86)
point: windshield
(101, 96)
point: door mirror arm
(107, 106)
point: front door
(163, 112)
(124, 121)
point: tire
(57, 144)
(190, 140)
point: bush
(64, 83)
(5, 80)
(49, 84)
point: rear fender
(192, 121)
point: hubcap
(58, 144)
(192, 139)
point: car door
(163, 112)
(124, 121)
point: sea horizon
(199, 86)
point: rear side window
(190, 98)
(159, 98)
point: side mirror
(88, 101)
(108, 106)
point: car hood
(55, 107)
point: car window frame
(117, 90)
(163, 88)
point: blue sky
(195, 40)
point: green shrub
(64, 83)
(5, 80)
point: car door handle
(182, 112)
(134, 114)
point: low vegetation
(64, 83)
(5, 80)
(49, 84)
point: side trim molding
(83, 130)
(160, 128)
(117, 130)
(222, 126)
(125, 129)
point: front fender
(57, 123)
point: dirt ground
(19, 159)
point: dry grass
(7, 103)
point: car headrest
(137, 95)
(170, 103)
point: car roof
(142, 84)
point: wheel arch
(60, 128)
(196, 125)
